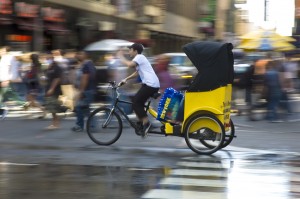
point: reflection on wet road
(74, 182)
(242, 176)
(224, 175)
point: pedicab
(206, 123)
(203, 116)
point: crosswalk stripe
(203, 165)
(181, 194)
(193, 182)
(218, 177)
(199, 173)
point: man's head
(82, 55)
(135, 49)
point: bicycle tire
(229, 135)
(197, 140)
(104, 135)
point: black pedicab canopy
(214, 62)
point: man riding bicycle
(150, 82)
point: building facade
(42, 25)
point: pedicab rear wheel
(229, 135)
(204, 133)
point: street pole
(265, 10)
(38, 32)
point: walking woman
(32, 82)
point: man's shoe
(139, 128)
(77, 129)
(146, 128)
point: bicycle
(104, 126)
(112, 119)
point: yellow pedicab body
(216, 102)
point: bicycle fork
(107, 121)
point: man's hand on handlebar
(121, 83)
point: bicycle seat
(156, 95)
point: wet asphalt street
(262, 162)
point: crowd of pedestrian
(36, 80)
(270, 83)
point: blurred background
(254, 27)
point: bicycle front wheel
(103, 126)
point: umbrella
(265, 34)
(266, 40)
(266, 44)
(107, 45)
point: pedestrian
(86, 90)
(53, 90)
(286, 71)
(161, 68)
(6, 92)
(117, 71)
(5, 62)
(150, 82)
(273, 90)
(290, 73)
(16, 81)
(245, 82)
(3, 110)
(32, 82)
(64, 64)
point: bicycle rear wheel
(229, 135)
(103, 126)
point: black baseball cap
(138, 47)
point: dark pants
(272, 106)
(140, 99)
(285, 102)
(82, 107)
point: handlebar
(115, 87)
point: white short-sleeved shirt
(146, 71)
(5, 63)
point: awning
(5, 20)
(56, 28)
(26, 23)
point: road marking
(235, 176)
(16, 164)
(181, 194)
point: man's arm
(124, 61)
(133, 75)
(54, 84)
(83, 82)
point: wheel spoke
(104, 127)
(204, 139)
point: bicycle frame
(115, 107)
(136, 126)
